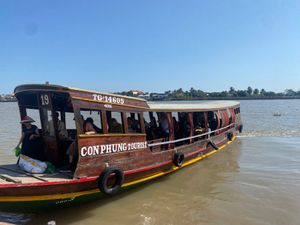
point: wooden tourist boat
(135, 141)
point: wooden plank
(9, 179)
(23, 173)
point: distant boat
(136, 141)
(277, 114)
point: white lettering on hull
(111, 148)
(108, 99)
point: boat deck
(12, 174)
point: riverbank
(223, 98)
(7, 98)
(201, 99)
(234, 98)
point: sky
(153, 45)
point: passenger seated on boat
(176, 128)
(198, 129)
(61, 128)
(114, 126)
(184, 125)
(164, 125)
(135, 124)
(213, 124)
(131, 127)
(148, 129)
(212, 121)
(30, 139)
(153, 123)
(152, 129)
(90, 128)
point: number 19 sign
(45, 100)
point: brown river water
(254, 181)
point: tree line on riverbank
(232, 93)
(194, 94)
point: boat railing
(191, 137)
(156, 148)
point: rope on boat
(189, 138)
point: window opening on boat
(133, 122)
(184, 127)
(49, 111)
(212, 121)
(163, 125)
(92, 121)
(70, 125)
(47, 121)
(199, 124)
(150, 125)
(115, 122)
(35, 115)
(237, 110)
(157, 126)
(176, 127)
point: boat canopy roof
(59, 88)
(117, 100)
(192, 105)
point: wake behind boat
(103, 143)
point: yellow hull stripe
(47, 197)
(94, 191)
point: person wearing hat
(30, 139)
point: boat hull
(41, 202)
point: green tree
(232, 91)
(290, 92)
(242, 93)
(249, 91)
(262, 92)
(224, 94)
(193, 92)
(256, 92)
(270, 94)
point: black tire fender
(178, 159)
(103, 184)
